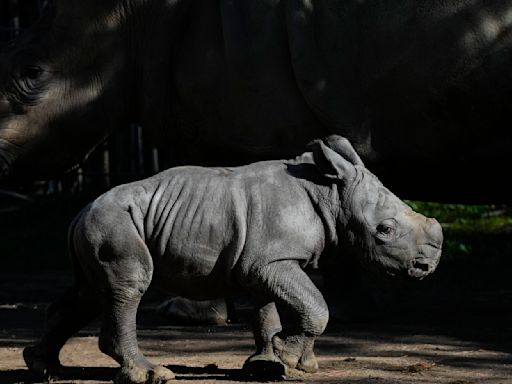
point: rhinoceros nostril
(418, 270)
(421, 266)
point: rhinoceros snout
(433, 233)
(426, 260)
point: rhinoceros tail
(79, 276)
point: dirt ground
(434, 345)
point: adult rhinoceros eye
(31, 72)
(28, 85)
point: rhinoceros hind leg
(264, 364)
(118, 339)
(129, 267)
(65, 317)
(40, 365)
(130, 374)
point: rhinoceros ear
(344, 148)
(330, 163)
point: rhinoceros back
(191, 222)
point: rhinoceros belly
(196, 272)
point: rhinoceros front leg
(290, 287)
(267, 325)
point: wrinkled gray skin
(213, 232)
(422, 89)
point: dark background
(472, 283)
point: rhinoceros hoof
(133, 374)
(265, 367)
(308, 363)
(293, 353)
(40, 364)
(288, 351)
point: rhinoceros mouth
(417, 273)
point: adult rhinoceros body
(420, 88)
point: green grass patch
(472, 233)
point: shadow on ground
(73, 374)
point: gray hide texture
(206, 233)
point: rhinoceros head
(57, 99)
(373, 222)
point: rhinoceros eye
(386, 228)
(27, 85)
(31, 72)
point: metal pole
(80, 179)
(137, 154)
(41, 4)
(155, 163)
(106, 165)
(140, 152)
(15, 20)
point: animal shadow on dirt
(71, 374)
(67, 374)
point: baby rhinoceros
(205, 233)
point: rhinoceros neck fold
(325, 199)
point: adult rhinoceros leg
(65, 317)
(266, 325)
(290, 287)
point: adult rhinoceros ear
(330, 163)
(344, 148)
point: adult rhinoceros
(422, 89)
